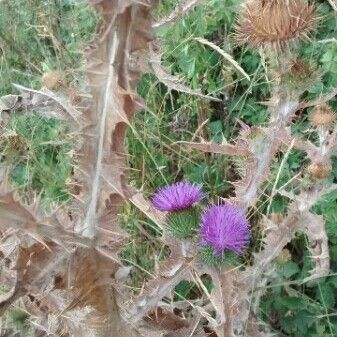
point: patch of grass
(40, 36)
(38, 151)
(37, 37)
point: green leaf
(290, 269)
(325, 294)
(292, 303)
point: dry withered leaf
(171, 81)
(50, 105)
(166, 319)
(89, 281)
(101, 167)
(171, 271)
(35, 268)
(225, 148)
(319, 246)
(178, 12)
(224, 299)
(14, 214)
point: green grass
(40, 36)
(38, 151)
(36, 37)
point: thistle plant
(65, 268)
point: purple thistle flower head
(177, 197)
(224, 227)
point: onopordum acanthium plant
(64, 267)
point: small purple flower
(177, 197)
(224, 227)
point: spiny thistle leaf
(112, 71)
(173, 82)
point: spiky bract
(207, 256)
(184, 224)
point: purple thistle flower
(224, 227)
(177, 197)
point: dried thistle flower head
(275, 22)
(54, 80)
(284, 256)
(322, 115)
(74, 96)
(224, 228)
(300, 68)
(319, 170)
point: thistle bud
(74, 96)
(300, 75)
(54, 80)
(322, 115)
(319, 170)
(284, 257)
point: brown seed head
(54, 80)
(74, 96)
(319, 170)
(322, 115)
(275, 22)
(284, 256)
